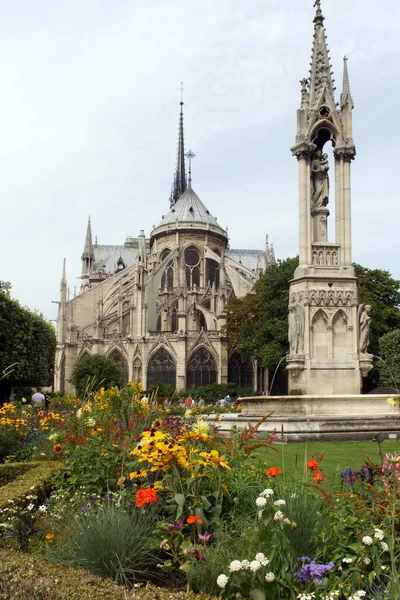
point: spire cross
(189, 155)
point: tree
(389, 351)
(27, 345)
(97, 371)
(257, 324)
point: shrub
(99, 371)
(38, 476)
(22, 576)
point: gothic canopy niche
(201, 369)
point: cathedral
(157, 306)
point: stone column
(347, 211)
(303, 210)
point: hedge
(23, 576)
(38, 475)
(10, 471)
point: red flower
(146, 496)
(57, 449)
(194, 519)
(273, 472)
(312, 465)
(318, 476)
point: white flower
(90, 422)
(269, 577)
(384, 567)
(287, 521)
(262, 559)
(255, 565)
(384, 547)
(53, 437)
(30, 506)
(79, 413)
(360, 594)
(347, 560)
(43, 508)
(261, 502)
(367, 540)
(260, 514)
(306, 596)
(245, 564)
(267, 493)
(379, 535)
(280, 503)
(278, 515)
(222, 580)
(235, 565)
(367, 560)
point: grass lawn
(336, 456)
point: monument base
(320, 418)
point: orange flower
(57, 449)
(318, 476)
(312, 465)
(28, 416)
(146, 496)
(194, 519)
(40, 413)
(273, 472)
(49, 536)
(121, 481)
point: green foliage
(10, 442)
(99, 371)
(216, 391)
(112, 543)
(161, 390)
(38, 476)
(27, 342)
(257, 325)
(389, 351)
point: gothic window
(161, 368)
(201, 369)
(192, 266)
(62, 375)
(158, 326)
(212, 273)
(117, 357)
(202, 321)
(167, 279)
(240, 371)
(174, 320)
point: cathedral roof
(189, 209)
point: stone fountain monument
(328, 328)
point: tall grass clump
(113, 542)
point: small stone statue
(364, 321)
(296, 328)
(319, 180)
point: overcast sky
(89, 113)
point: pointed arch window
(192, 267)
(240, 371)
(167, 279)
(201, 369)
(117, 357)
(161, 368)
(212, 272)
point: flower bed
(145, 494)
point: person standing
(38, 399)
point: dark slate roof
(189, 209)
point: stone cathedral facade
(157, 305)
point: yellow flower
(393, 401)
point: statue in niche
(364, 321)
(296, 328)
(319, 180)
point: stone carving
(364, 321)
(326, 256)
(330, 297)
(319, 180)
(296, 328)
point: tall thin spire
(320, 72)
(179, 184)
(190, 155)
(88, 248)
(345, 96)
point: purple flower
(348, 476)
(84, 507)
(204, 538)
(106, 497)
(197, 554)
(304, 559)
(93, 498)
(313, 571)
(177, 525)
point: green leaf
(180, 500)
(257, 594)
(206, 503)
